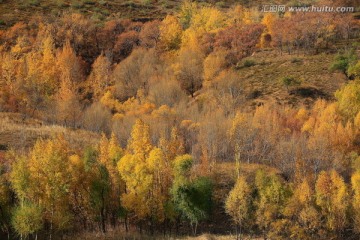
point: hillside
(262, 84)
(170, 119)
(144, 10)
(13, 11)
(19, 133)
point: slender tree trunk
(102, 214)
(164, 227)
(177, 225)
(240, 231)
(51, 222)
(126, 223)
(102, 217)
(236, 232)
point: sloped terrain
(262, 82)
(19, 133)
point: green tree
(343, 62)
(99, 186)
(192, 198)
(354, 70)
(110, 153)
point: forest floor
(120, 236)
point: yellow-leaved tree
(42, 182)
(170, 33)
(302, 210)
(67, 99)
(100, 75)
(333, 199)
(238, 204)
(355, 184)
(142, 168)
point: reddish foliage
(106, 36)
(150, 34)
(207, 43)
(239, 41)
(312, 31)
(131, 26)
(125, 43)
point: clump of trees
(305, 209)
(58, 190)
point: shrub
(290, 81)
(249, 63)
(245, 64)
(60, 3)
(296, 60)
(220, 4)
(34, 3)
(343, 62)
(90, 2)
(103, 2)
(77, 4)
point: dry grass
(116, 235)
(21, 134)
(220, 237)
(270, 67)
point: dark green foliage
(296, 60)
(343, 62)
(249, 63)
(192, 198)
(89, 158)
(290, 81)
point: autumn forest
(201, 120)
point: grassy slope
(17, 133)
(12, 11)
(312, 70)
